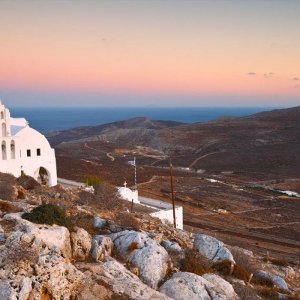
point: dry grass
(276, 261)
(268, 292)
(84, 221)
(263, 281)
(245, 292)
(245, 261)
(225, 268)
(128, 220)
(196, 263)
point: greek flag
(132, 162)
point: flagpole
(135, 181)
(172, 191)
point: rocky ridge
(108, 253)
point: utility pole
(172, 193)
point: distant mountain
(266, 144)
(90, 132)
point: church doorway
(42, 176)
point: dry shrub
(7, 187)
(27, 182)
(245, 261)
(245, 292)
(105, 198)
(268, 292)
(196, 263)
(48, 214)
(128, 220)
(8, 207)
(86, 198)
(276, 261)
(225, 267)
(84, 221)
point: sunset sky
(162, 53)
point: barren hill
(265, 144)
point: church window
(38, 152)
(12, 150)
(3, 146)
(28, 152)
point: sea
(46, 119)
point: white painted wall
(128, 194)
(24, 139)
(168, 216)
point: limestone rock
(276, 280)
(122, 282)
(81, 244)
(212, 248)
(221, 287)
(171, 246)
(6, 291)
(144, 253)
(101, 247)
(184, 285)
(99, 223)
(26, 288)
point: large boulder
(32, 267)
(54, 237)
(277, 281)
(142, 252)
(81, 244)
(212, 248)
(121, 281)
(220, 287)
(101, 247)
(184, 285)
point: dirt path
(203, 156)
(110, 156)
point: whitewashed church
(25, 151)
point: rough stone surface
(212, 248)
(31, 262)
(142, 252)
(122, 282)
(221, 287)
(171, 246)
(54, 237)
(101, 247)
(6, 291)
(26, 288)
(99, 223)
(277, 280)
(184, 285)
(81, 244)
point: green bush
(48, 214)
(92, 180)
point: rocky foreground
(106, 252)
